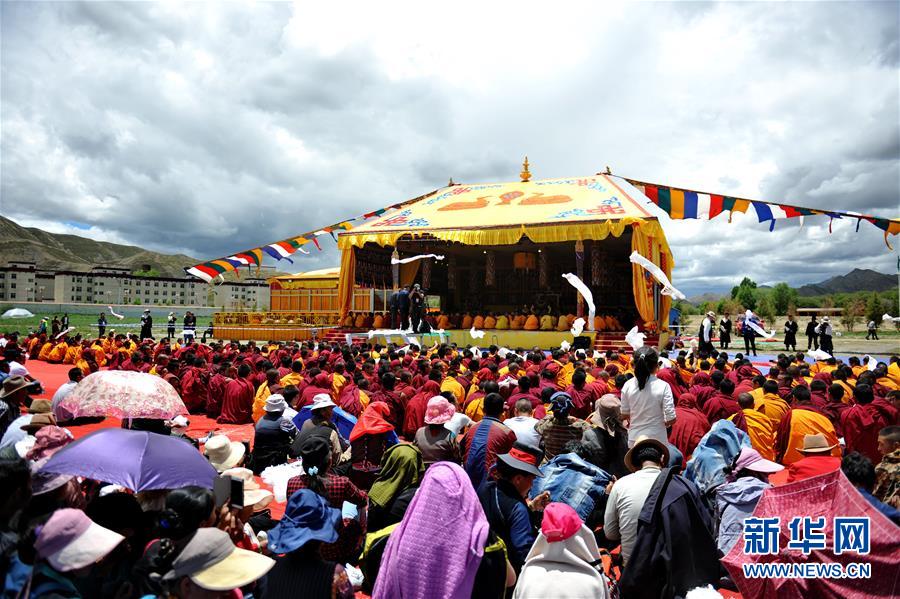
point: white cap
(321, 401)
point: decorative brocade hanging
(451, 273)
(596, 258)
(426, 274)
(542, 270)
(490, 269)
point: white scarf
(562, 570)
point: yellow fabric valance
(507, 235)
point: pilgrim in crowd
(442, 471)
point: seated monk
(478, 322)
(348, 320)
(570, 319)
(547, 323)
(360, 321)
(502, 323)
(443, 322)
(58, 353)
(599, 323)
(490, 322)
(467, 322)
(531, 323)
(44, 354)
(563, 323)
(368, 320)
(378, 323)
(516, 323)
(73, 354)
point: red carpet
(52, 376)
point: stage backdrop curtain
(645, 241)
(346, 282)
(408, 272)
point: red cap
(560, 522)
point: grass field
(87, 323)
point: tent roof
(322, 273)
(501, 213)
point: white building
(114, 285)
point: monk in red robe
(237, 404)
(722, 404)
(690, 425)
(862, 422)
(415, 409)
(195, 386)
(583, 395)
(217, 383)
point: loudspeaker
(581, 342)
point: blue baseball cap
(307, 517)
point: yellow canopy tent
(544, 211)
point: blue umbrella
(137, 460)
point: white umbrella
(17, 313)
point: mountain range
(858, 279)
(53, 251)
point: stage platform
(601, 341)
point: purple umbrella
(137, 460)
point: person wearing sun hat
(817, 458)
(436, 442)
(210, 562)
(272, 435)
(505, 502)
(627, 495)
(560, 563)
(308, 522)
(13, 394)
(748, 477)
(68, 544)
(223, 453)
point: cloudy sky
(211, 128)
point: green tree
(746, 295)
(150, 272)
(853, 310)
(137, 301)
(745, 282)
(783, 296)
(874, 308)
(766, 309)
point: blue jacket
(716, 450)
(734, 502)
(573, 481)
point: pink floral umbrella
(121, 394)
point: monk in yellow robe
(443, 322)
(360, 321)
(475, 409)
(478, 322)
(531, 323)
(893, 372)
(547, 323)
(490, 322)
(294, 377)
(797, 424)
(378, 323)
(562, 323)
(467, 321)
(452, 385)
(58, 353)
(44, 354)
(759, 427)
(502, 323)
(599, 323)
(517, 322)
(72, 354)
(348, 320)
(614, 324)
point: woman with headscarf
(561, 562)
(559, 428)
(370, 438)
(393, 490)
(422, 561)
(607, 440)
(690, 425)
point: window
(2, 275)
(12, 275)
(12, 285)
(156, 283)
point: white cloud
(218, 127)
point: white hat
(223, 453)
(16, 369)
(710, 313)
(824, 319)
(275, 403)
(212, 562)
(70, 540)
(321, 401)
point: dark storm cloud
(213, 128)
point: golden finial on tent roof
(525, 174)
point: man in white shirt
(523, 424)
(705, 333)
(628, 494)
(75, 375)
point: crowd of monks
(229, 381)
(491, 321)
